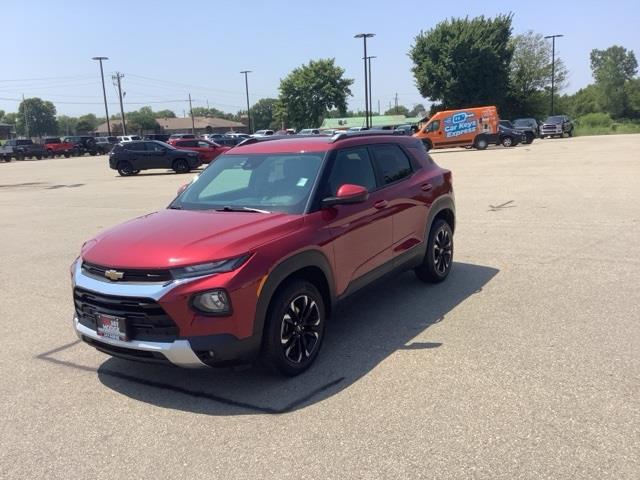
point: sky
(167, 50)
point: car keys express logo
(459, 124)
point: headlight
(210, 268)
(212, 302)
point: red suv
(251, 258)
(207, 151)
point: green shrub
(593, 120)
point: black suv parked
(529, 126)
(21, 148)
(509, 136)
(557, 126)
(131, 157)
(84, 144)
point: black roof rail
(364, 133)
(266, 138)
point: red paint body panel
(206, 153)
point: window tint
(391, 162)
(204, 144)
(433, 126)
(187, 143)
(135, 146)
(351, 166)
(155, 147)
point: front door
(362, 232)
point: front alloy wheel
(294, 329)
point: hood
(171, 238)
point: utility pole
(104, 92)
(370, 91)
(193, 123)
(246, 86)
(117, 78)
(26, 118)
(364, 37)
(396, 103)
(553, 66)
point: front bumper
(194, 347)
(178, 352)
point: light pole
(364, 37)
(104, 92)
(246, 85)
(370, 90)
(553, 65)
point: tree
(530, 76)
(211, 112)
(399, 110)
(632, 91)
(11, 118)
(67, 125)
(142, 120)
(309, 91)
(1, 115)
(36, 118)
(263, 114)
(86, 123)
(165, 114)
(612, 68)
(464, 62)
(417, 110)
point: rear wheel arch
(445, 209)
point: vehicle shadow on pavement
(362, 333)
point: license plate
(113, 328)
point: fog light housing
(212, 302)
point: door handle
(426, 187)
(380, 204)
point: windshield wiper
(227, 208)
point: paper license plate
(111, 327)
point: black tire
(571, 133)
(38, 157)
(438, 259)
(135, 172)
(427, 145)
(529, 138)
(181, 166)
(20, 157)
(125, 169)
(294, 328)
(481, 143)
(507, 141)
(67, 155)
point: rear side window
(135, 146)
(391, 162)
(187, 143)
(352, 166)
(204, 145)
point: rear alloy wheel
(507, 142)
(294, 329)
(438, 258)
(482, 143)
(181, 166)
(125, 169)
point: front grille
(130, 275)
(145, 318)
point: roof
(377, 121)
(184, 123)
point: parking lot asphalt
(525, 363)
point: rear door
(404, 186)
(137, 155)
(362, 232)
(156, 155)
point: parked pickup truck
(21, 148)
(54, 146)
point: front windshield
(273, 182)
(522, 123)
(555, 119)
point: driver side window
(433, 126)
(351, 166)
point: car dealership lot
(523, 364)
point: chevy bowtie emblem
(114, 275)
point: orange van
(476, 127)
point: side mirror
(347, 194)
